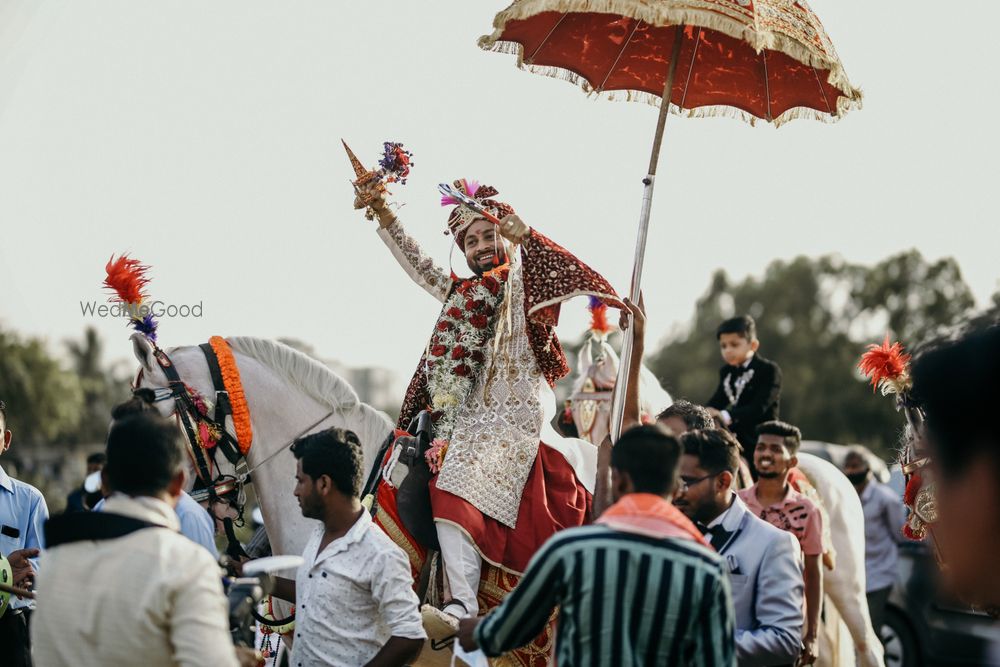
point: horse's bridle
(228, 489)
(915, 464)
(215, 488)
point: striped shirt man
(624, 599)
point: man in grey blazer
(763, 561)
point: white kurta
(496, 435)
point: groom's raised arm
(405, 249)
(414, 261)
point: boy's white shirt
(726, 418)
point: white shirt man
(195, 521)
(352, 596)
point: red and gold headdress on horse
(888, 368)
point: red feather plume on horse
(885, 364)
(598, 316)
(127, 279)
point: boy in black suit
(749, 385)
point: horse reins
(212, 488)
(187, 413)
(245, 477)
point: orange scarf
(650, 515)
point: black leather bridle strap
(223, 408)
(185, 408)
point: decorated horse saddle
(413, 499)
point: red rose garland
(456, 352)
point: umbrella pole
(621, 386)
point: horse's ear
(143, 351)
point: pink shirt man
(795, 513)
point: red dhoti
(553, 499)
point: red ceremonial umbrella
(753, 59)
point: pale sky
(204, 138)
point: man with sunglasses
(762, 561)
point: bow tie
(737, 371)
(718, 536)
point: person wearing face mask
(884, 518)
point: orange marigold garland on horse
(234, 387)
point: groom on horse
(503, 480)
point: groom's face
(483, 247)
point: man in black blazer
(749, 389)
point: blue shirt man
(196, 523)
(22, 513)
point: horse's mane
(318, 382)
(300, 370)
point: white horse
(286, 392)
(844, 586)
(596, 376)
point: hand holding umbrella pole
(20, 592)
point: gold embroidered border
(396, 535)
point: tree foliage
(57, 401)
(44, 400)
(102, 387)
(814, 318)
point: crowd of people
(698, 544)
(745, 586)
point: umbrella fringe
(644, 97)
(657, 14)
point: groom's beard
(487, 264)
